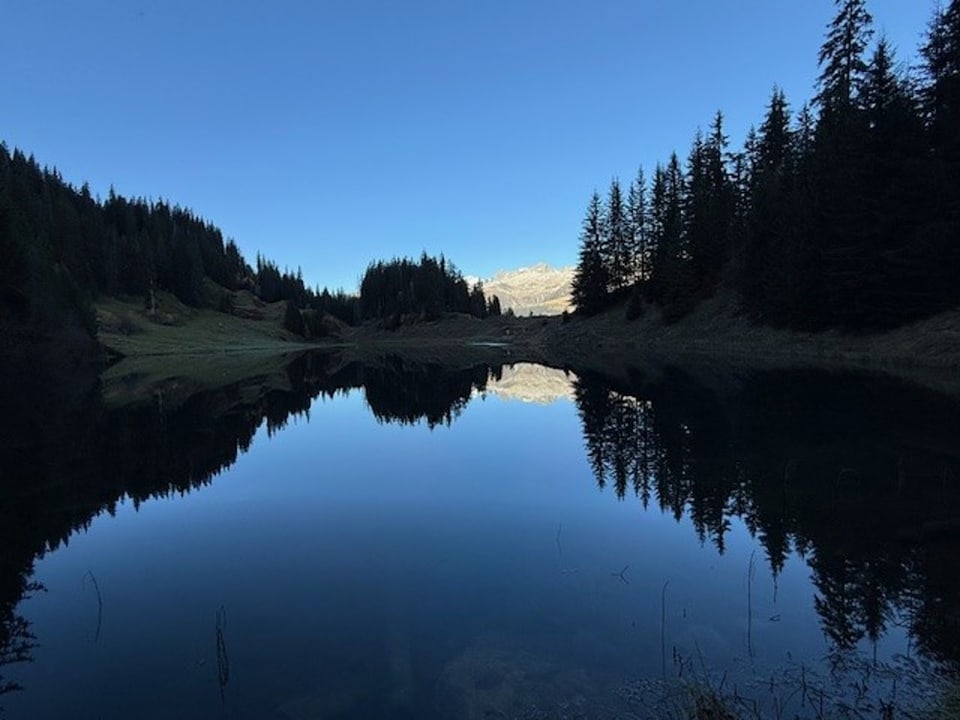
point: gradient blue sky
(327, 134)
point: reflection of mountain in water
(531, 383)
(857, 475)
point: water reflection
(857, 475)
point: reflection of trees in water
(846, 471)
(407, 393)
(839, 469)
(659, 453)
(16, 638)
(98, 455)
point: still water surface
(399, 541)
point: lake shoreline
(714, 335)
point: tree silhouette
(845, 214)
(591, 278)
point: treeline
(392, 293)
(845, 213)
(61, 248)
(390, 290)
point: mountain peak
(540, 289)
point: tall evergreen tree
(696, 207)
(744, 165)
(938, 238)
(763, 272)
(722, 199)
(617, 240)
(842, 55)
(839, 171)
(896, 143)
(708, 207)
(941, 54)
(657, 223)
(478, 303)
(670, 282)
(637, 217)
(590, 280)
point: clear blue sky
(325, 134)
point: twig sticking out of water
(620, 575)
(559, 547)
(750, 573)
(223, 660)
(663, 628)
(563, 570)
(96, 587)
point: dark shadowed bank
(716, 333)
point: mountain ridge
(538, 289)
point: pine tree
(763, 272)
(839, 172)
(657, 224)
(673, 227)
(590, 280)
(804, 136)
(937, 240)
(941, 54)
(671, 282)
(744, 166)
(478, 303)
(722, 200)
(637, 218)
(842, 55)
(895, 128)
(696, 207)
(708, 207)
(616, 240)
(907, 276)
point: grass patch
(127, 328)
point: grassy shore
(715, 334)
(716, 328)
(128, 329)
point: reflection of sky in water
(358, 561)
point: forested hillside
(843, 213)
(61, 248)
